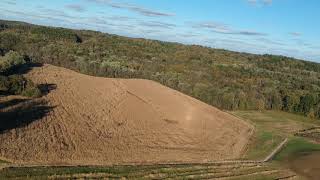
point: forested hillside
(226, 79)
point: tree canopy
(228, 80)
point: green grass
(43, 172)
(296, 145)
(263, 143)
(272, 127)
(138, 172)
(277, 121)
(256, 177)
(3, 161)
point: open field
(296, 146)
(300, 153)
(272, 127)
(85, 120)
(184, 171)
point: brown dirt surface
(101, 121)
(306, 164)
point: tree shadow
(21, 115)
(12, 102)
(25, 68)
(46, 88)
(21, 69)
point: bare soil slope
(103, 121)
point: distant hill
(228, 80)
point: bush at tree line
(15, 84)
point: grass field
(272, 127)
(209, 171)
(276, 122)
(295, 146)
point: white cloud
(75, 7)
(133, 7)
(296, 34)
(260, 2)
(222, 28)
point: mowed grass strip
(134, 172)
(3, 162)
(280, 174)
(226, 174)
(112, 172)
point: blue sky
(282, 27)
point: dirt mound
(93, 120)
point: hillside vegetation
(225, 79)
(11, 81)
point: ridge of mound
(101, 121)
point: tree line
(228, 80)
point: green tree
(10, 61)
(306, 103)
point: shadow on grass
(46, 88)
(27, 67)
(22, 69)
(23, 114)
(12, 102)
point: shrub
(4, 84)
(31, 92)
(18, 85)
(15, 84)
(10, 61)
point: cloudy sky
(284, 27)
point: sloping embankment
(99, 121)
